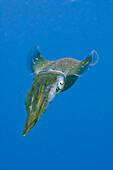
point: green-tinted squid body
(52, 77)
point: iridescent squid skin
(52, 77)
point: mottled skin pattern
(38, 98)
(52, 77)
(70, 67)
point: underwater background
(76, 131)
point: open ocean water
(76, 131)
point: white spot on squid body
(30, 107)
(33, 61)
(51, 69)
(37, 59)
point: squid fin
(86, 64)
(35, 61)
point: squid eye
(61, 82)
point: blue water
(76, 131)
